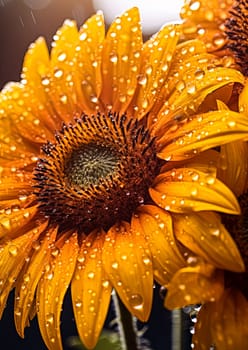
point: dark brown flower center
(237, 33)
(96, 173)
(238, 227)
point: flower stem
(126, 325)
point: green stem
(127, 329)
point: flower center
(236, 30)
(90, 163)
(96, 173)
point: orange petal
(30, 276)
(128, 264)
(194, 285)
(188, 189)
(121, 60)
(91, 290)
(52, 288)
(157, 58)
(12, 258)
(156, 226)
(223, 323)
(204, 234)
(202, 132)
(233, 169)
(14, 222)
(88, 62)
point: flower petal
(222, 323)
(202, 132)
(204, 234)
(91, 290)
(14, 222)
(13, 255)
(233, 169)
(88, 63)
(157, 57)
(156, 226)
(52, 288)
(188, 189)
(121, 60)
(194, 285)
(127, 262)
(30, 276)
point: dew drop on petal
(136, 301)
(50, 318)
(45, 81)
(13, 250)
(62, 56)
(194, 5)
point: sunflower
(222, 25)
(221, 322)
(96, 143)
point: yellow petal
(202, 132)
(30, 276)
(188, 189)
(156, 226)
(243, 104)
(14, 222)
(157, 57)
(204, 234)
(233, 168)
(88, 63)
(128, 264)
(223, 323)
(194, 285)
(12, 258)
(91, 290)
(52, 288)
(121, 60)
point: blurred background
(21, 22)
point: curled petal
(128, 264)
(194, 285)
(204, 234)
(156, 225)
(52, 288)
(222, 323)
(188, 189)
(91, 290)
(30, 276)
(202, 132)
(13, 255)
(233, 169)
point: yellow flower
(96, 144)
(221, 25)
(213, 279)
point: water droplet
(218, 40)
(62, 56)
(45, 81)
(136, 301)
(83, 36)
(215, 231)
(13, 250)
(210, 180)
(105, 284)
(142, 80)
(63, 99)
(115, 265)
(23, 198)
(199, 74)
(194, 5)
(113, 58)
(58, 73)
(194, 192)
(91, 275)
(50, 318)
(78, 303)
(231, 123)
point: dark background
(20, 25)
